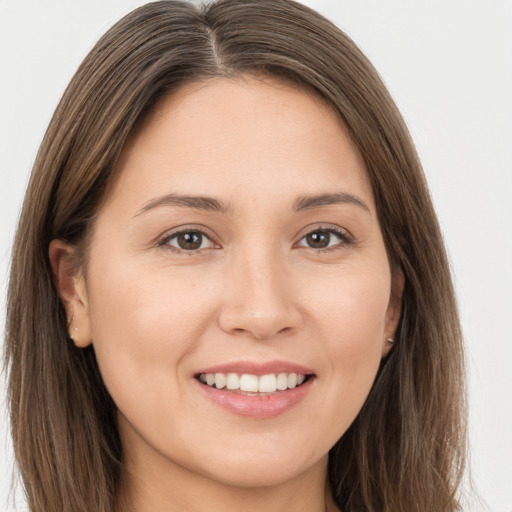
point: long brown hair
(405, 451)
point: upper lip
(257, 368)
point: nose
(259, 299)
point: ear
(70, 284)
(394, 310)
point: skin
(255, 290)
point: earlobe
(70, 284)
(394, 310)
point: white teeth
(249, 383)
(220, 380)
(282, 381)
(269, 383)
(232, 381)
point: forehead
(231, 134)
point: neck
(144, 489)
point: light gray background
(447, 63)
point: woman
(250, 304)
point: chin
(264, 466)
(251, 474)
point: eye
(188, 241)
(325, 238)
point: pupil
(190, 241)
(318, 239)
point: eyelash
(345, 239)
(164, 241)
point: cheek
(352, 304)
(352, 314)
(143, 324)
(359, 321)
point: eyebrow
(214, 205)
(319, 200)
(197, 202)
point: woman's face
(239, 240)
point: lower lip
(259, 407)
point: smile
(256, 390)
(254, 384)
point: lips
(257, 368)
(257, 390)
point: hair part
(406, 449)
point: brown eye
(325, 238)
(189, 241)
(318, 239)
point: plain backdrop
(448, 65)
